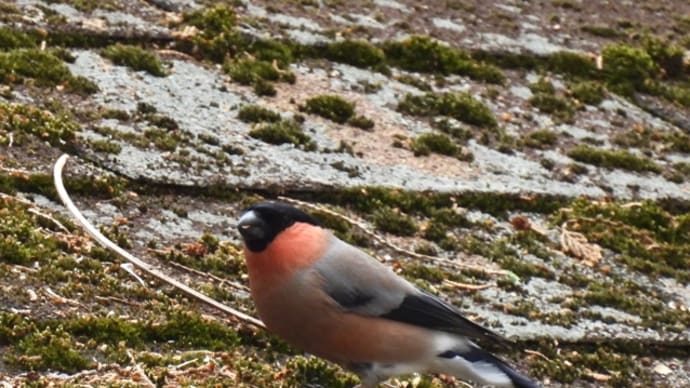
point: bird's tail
(481, 367)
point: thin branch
(140, 370)
(32, 209)
(58, 299)
(129, 268)
(466, 286)
(116, 299)
(538, 354)
(98, 236)
(218, 279)
(402, 251)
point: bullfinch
(333, 300)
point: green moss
(44, 68)
(27, 119)
(218, 37)
(556, 106)
(666, 55)
(107, 146)
(250, 71)
(434, 142)
(589, 92)
(359, 53)
(268, 50)
(410, 79)
(49, 349)
(190, 330)
(395, 222)
(679, 94)
(653, 140)
(426, 273)
(12, 39)
(352, 171)
(369, 199)
(542, 86)
(332, 107)
(450, 217)
(454, 129)
(164, 139)
(361, 122)
(526, 270)
(573, 363)
(626, 67)
(220, 40)
(422, 54)
(162, 121)
(442, 223)
(22, 242)
(541, 139)
(631, 230)
(619, 159)
(603, 31)
(282, 132)
(136, 58)
(257, 114)
(571, 64)
(264, 88)
(310, 371)
(460, 106)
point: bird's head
(261, 223)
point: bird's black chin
(254, 232)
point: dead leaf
(576, 245)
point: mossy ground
(104, 315)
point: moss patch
(282, 132)
(631, 230)
(44, 68)
(421, 53)
(460, 106)
(627, 67)
(257, 114)
(135, 58)
(434, 142)
(332, 107)
(22, 120)
(588, 92)
(619, 159)
(395, 222)
(541, 139)
(554, 105)
(357, 53)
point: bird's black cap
(262, 222)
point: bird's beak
(251, 227)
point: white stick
(98, 236)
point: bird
(335, 301)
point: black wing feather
(350, 298)
(428, 311)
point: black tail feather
(475, 354)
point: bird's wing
(360, 284)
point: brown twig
(116, 299)
(538, 354)
(145, 379)
(218, 279)
(466, 286)
(34, 210)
